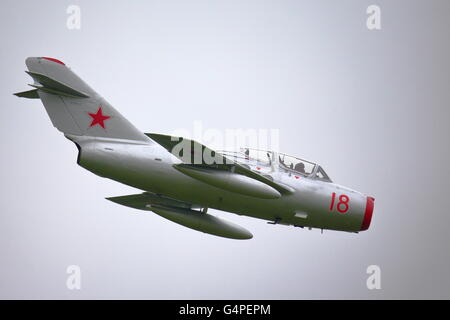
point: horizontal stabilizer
(53, 91)
(55, 87)
(31, 94)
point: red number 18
(342, 205)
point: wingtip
(30, 94)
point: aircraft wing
(183, 214)
(205, 164)
(144, 201)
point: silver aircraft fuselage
(150, 167)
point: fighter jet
(181, 178)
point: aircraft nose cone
(368, 213)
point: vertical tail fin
(73, 107)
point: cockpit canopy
(283, 161)
(304, 167)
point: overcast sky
(371, 106)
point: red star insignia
(98, 118)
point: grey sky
(371, 106)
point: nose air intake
(368, 213)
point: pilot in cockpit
(300, 167)
(290, 166)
